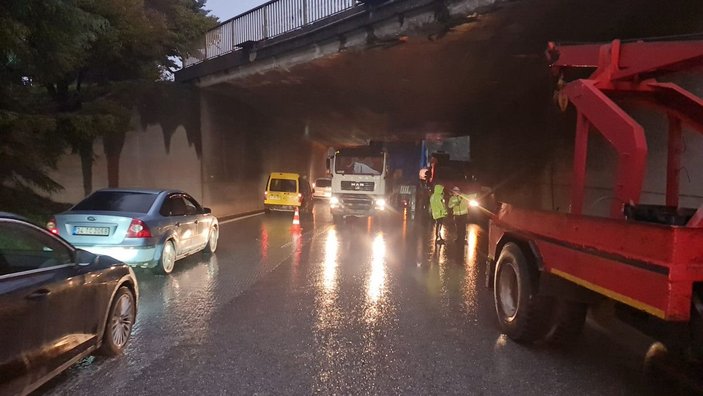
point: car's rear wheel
(120, 321)
(212, 241)
(167, 260)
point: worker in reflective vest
(459, 206)
(438, 209)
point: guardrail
(266, 21)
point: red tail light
(138, 230)
(51, 226)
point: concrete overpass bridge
(279, 84)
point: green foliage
(73, 70)
(28, 148)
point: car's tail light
(138, 230)
(51, 226)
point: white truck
(359, 182)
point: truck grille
(356, 202)
(357, 185)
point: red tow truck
(547, 268)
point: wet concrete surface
(356, 308)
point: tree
(74, 70)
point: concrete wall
(144, 162)
(242, 146)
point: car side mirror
(85, 258)
(207, 210)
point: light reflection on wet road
(357, 308)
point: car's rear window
(323, 182)
(283, 185)
(117, 201)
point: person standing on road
(439, 211)
(460, 210)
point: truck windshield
(359, 165)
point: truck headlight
(334, 202)
(381, 204)
(474, 203)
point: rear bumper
(347, 212)
(142, 256)
(356, 205)
(281, 208)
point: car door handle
(39, 294)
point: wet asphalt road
(360, 308)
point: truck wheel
(567, 323)
(523, 314)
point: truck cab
(359, 182)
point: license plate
(99, 231)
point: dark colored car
(58, 304)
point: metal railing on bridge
(266, 21)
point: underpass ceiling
(487, 78)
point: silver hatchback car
(145, 228)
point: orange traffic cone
(296, 218)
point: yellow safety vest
(459, 205)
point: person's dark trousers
(438, 229)
(461, 222)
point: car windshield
(283, 185)
(372, 165)
(117, 201)
(323, 183)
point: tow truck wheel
(523, 314)
(567, 324)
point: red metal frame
(651, 267)
(629, 69)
